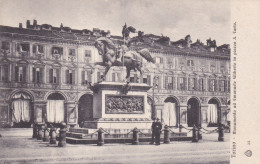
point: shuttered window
(222, 85)
(5, 45)
(4, 73)
(38, 49)
(37, 74)
(20, 73)
(70, 76)
(54, 76)
(182, 83)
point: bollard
(135, 136)
(52, 135)
(62, 135)
(195, 135)
(39, 137)
(166, 135)
(46, 137)
(100, 141)
(220, 133)
(34, 131)
(199, 133)
(180, 128)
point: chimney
(20, 25)
(28, 24)
(34, 22)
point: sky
(202, 19)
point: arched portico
(21, 108)
(55, 108)
(85, 108)
(214, 112)
(170, 112)
(193, 112)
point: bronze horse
(132, 60)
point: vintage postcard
(117, 81)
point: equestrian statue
(121, 55)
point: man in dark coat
(157, 131)
(153, 128)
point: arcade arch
(170, 111)
(193, 112)
(85, 109)
(55, 109)
(21, 109)
(214, 112)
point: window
(222, 68)
(212, 85)
(57, 50)
(212, 68)
(86, 77)
(182, 85)
(222, 85)
(37, 75)
(5, 45)
(145, 79)
(158, 60)
(190, 63)
(228, 86)
(192, 84)
(70, 76)
(99, 75)
(87, 53)
(54, 76)
(23, 47)
(169, 82)
(133, 78)
(201, 85)
(116, 77)
(20, 73)
(72, 52)
(170, 62)
(4, 73)
(38, 49)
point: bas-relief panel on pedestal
(124, 104)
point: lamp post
(155, 85)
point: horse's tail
(146, 54)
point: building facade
(45, 73)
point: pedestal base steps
(88, 136)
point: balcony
(201, 93)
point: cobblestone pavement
(17, 146)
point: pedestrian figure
(157, 131)
(153, 130)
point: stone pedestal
(120, 106)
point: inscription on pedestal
(123, 104)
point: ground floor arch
(170, 111)
(21, 109)
(55, 108)
(193, 112)
(85, 108)
(214, 112)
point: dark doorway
(193, 112)
(85, 109)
